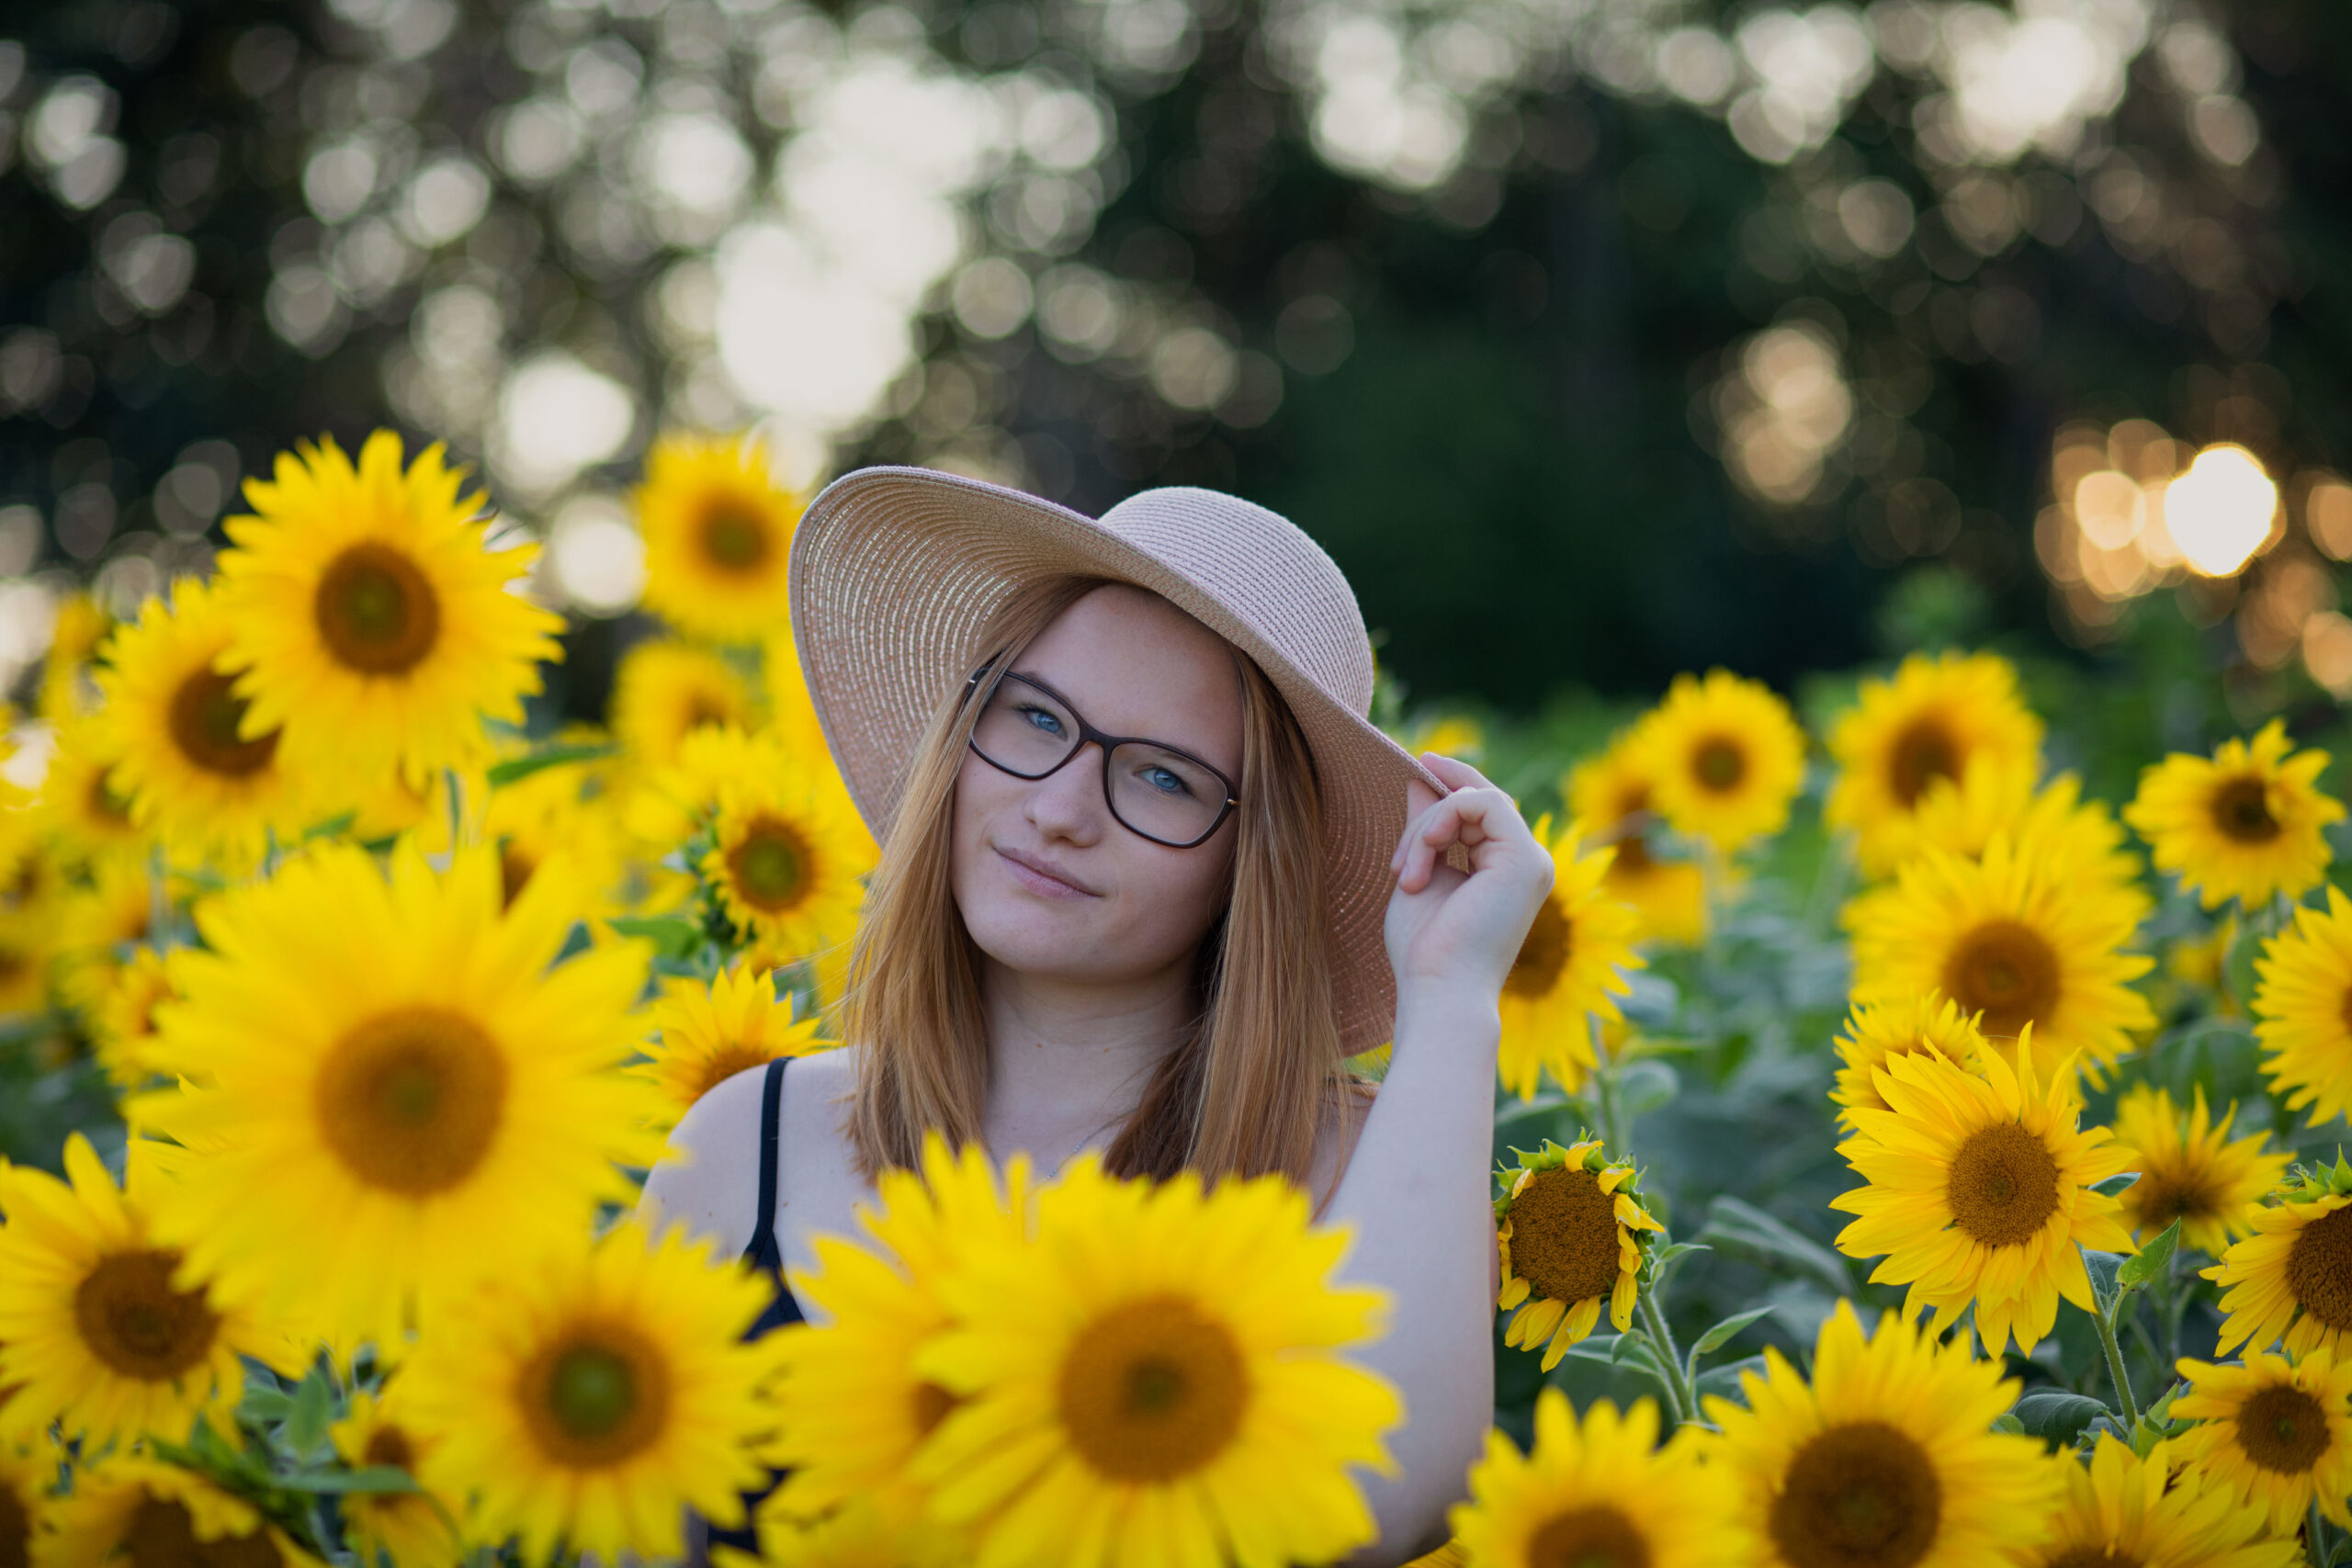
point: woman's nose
(1068, 802)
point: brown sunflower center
(1545, 954)
(2319, 1268)
(2003, 1185)
(931, 1404)
(1632, 844)
(16, 1530)
(376, 610)
(2241, 809)
(388, 1445)
(769, 866)
(104, 805)
(1152, 1390)
(725, 1062)
(1564, 1235)
(1597, 1537)
(160, 1535)
(704, 711)
(596, 1395)
(2283, 1429)
(205, 719)
(1858, 1495)
(2006, 970)
(131, 1318)
(2160, 1197)
(1923, 754)
(411, 1100)
(514, 869)
(735, 539)
(1719, 764)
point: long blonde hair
(1247, 1090)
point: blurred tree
(1596, 342)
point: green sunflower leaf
(2150, 1261)
(513, 768)
(375, 1478)
(1721, 1334)
(1747, 1232)
(672, 938)
(2056, 1416)
(306, 1425)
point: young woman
(1148, 876)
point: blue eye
(1050, 723)
(1166, 781)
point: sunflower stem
(1604, 1091)
(2315, 1539)
(2105, 1317)
(1681, 1391)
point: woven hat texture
(895, 571)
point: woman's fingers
(1462, 818)
(1455, 774)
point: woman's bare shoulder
(708, 1174)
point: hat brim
(893, 573)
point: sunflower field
(1916, 1130)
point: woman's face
(1049, 883)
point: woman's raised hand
(1453, 929)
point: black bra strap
(770, 1108)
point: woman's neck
(1068, 1062)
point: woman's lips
(1032, 875)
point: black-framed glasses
(1156, 791)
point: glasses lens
(1023, 731)
(1163, 795)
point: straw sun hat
(895, 571)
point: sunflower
(1930, 1022)
(140, 1513)
(1725, 756)
(30, 878)
(1887, 1461)
(1595, 1492)
(85, 813)
(1612, 792)
(25, 952)
(196, 770)
(586, 1400)
(1940, 717)
(2011, 939)
(2302, 1009)
(789, 863)
(1158, 1378)
(400, 1084)
(2055, 824)
(372, 620)
(1570, 1231)
(24, 1499)
(665, 690)
(861, 1533)
(1980, 1187)
(2123, 1511)
(1571, 966)
(2190, 1172)
(2291, 1278)
(718, 533)
(122, 1021)
(102, 1330)
(2245, 823)
(414, 1530)
(2276, 1433)
(81, 626)
(854, 1407)
(97, 924)
(543, 817)
(708, 1033)
(2202, 961)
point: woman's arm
(1417, 1189)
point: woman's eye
(1165, 781)
(1051, 723)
